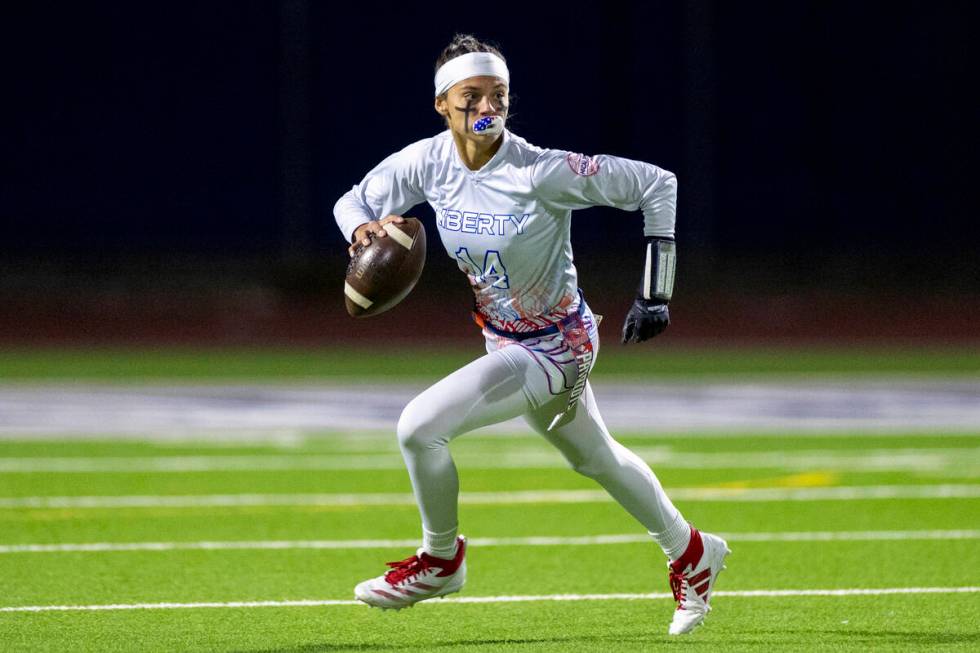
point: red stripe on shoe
(448, 567)
(423, 586)
(697, 578)
(692, 555)
(702, 590)
(387, 595)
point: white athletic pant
(521, 379)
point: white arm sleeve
(393, 187)
(575, 181)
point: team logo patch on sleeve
(584, 166)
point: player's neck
(473, 154)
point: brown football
(381, 274)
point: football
(383, 273)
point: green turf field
(282, 537)
(844, 540)
(385, 361)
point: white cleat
(415, 579)
(692, 577)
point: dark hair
(464, 44)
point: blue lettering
(473, 222)
(453, 220)
(520, 222)
(485, 224)
(469, 222)
(501, 221)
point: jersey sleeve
(574, 181)
(393, 187)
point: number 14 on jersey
(492, 273)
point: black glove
(646, 319)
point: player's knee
(596, 464)
(588, 468)
(417, 427)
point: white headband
(471, 64)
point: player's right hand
(375, 228)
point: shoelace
(405, 569)
(677, 582)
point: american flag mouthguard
(489, 125)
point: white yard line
(495, 599)
(842, 493)
(914, 459)
(798, 536)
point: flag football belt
(557, 327)
(576, 336)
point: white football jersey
(508, 224)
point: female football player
(503, 209)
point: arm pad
(658, 269)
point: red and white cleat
(415, 579)
(692, 577)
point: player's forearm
(659, 206)
(659, 265)
(350, 213)
(649, 314)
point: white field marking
(845, 493)
(965, 459)
(305, 603)
(183, 437)
(585, 540)
(398, 235)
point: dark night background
(169, 169)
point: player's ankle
(674, 539)
(440, 545)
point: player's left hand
(646, 319)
